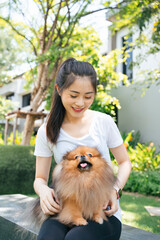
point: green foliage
(17, 172)
(17, 169)
(18, 139)
(136, 12)
(6, 106)
(145, 174)
(131, 139)
(103, 102)
(11, 53)
(146, 15)
(1, 139)
(143, 156)
(146, 182)
(156, 34)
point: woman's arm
(124, 163)
(48, 200)
(124, 170)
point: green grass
(135, 215)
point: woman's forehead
(81, 84)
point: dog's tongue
(83, 165)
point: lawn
(134, 213)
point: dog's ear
(71, 155)
(65, 156)
(68, 156)
(94, 151)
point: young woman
(70, 124)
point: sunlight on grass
(134, 213)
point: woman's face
(78, 97)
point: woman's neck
(71, 120)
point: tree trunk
(28, 130)
(38, 95)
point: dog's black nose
(83, 157)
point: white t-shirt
(103, 134)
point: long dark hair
(65, 77)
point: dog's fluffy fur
(83, 182)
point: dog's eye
(76, 157)
(89, 154)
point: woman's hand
(113, 205)
(49, 201)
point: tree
(9, 53)
(49, 31)
(146, 15)
(6, 105)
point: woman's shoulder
(101, 115)
(42, 129)
(102, 121)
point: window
(127, 66)
(10, 96)
(26, 100)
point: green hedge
(147, 182)
(17, 169)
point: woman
(71, 123)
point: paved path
(11, 207)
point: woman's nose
(80, 102)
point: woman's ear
(57, 88)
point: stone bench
(10, 206)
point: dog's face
(83, 158)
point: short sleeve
(114, 137)
(42, 147)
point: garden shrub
(18, 139)
(105, 103)
(17, 169)
(144, 157)
(145, 175)
(131, 139)
(146, 182)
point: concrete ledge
(11, 231)
(11, 227)
(132, 233)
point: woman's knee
(110, 229)
(79, 233)
(51, 229)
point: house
(137, 113)
(15, 92)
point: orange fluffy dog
(83, 182)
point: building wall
(139, 113)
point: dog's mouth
(84, 165)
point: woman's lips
(77, 109)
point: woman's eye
(73, 96)
(87, 97)
(89, 154)
(76, 157)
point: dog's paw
(98, 220)
(80, 221)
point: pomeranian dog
(83, 183)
